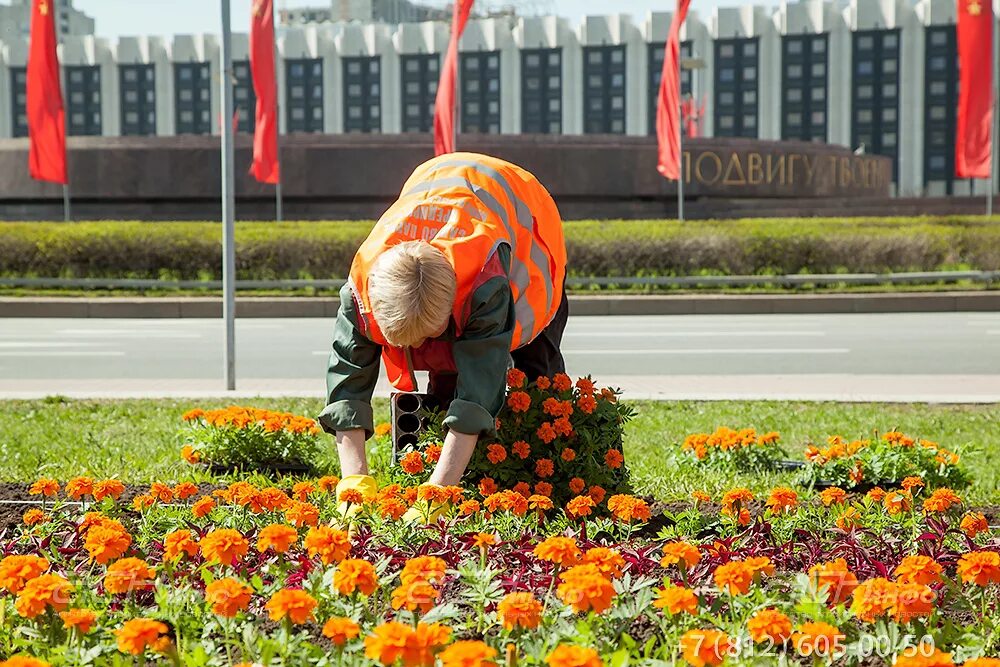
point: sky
(169, 17)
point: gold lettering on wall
(740, 177)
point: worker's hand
(351, 450)
(455, 456)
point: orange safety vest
(466, 205)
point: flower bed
(265, 575)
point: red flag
(444, 104)
(46, 116)
(668, 120)
(974, 136)
(265, 167)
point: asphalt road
(938, 357)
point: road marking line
(126, 333)
(775, 351)
(691, 334)
(63, 353)
(40, 344)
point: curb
(682, 304)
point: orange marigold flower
(302, 490)
(566, 655)
(340, 630)
(629, 508)
(487, 487)
(837, 579)
(735, 500)
(577, 485)
(521, 449)
(383, 428)
(587, 404)
(423, 568)
(388, 643)
(277, 536)
(734, 577)
(44, 487)
(819, 639)
(81, 620)
(562, 382)
(833, 496)
(518, 401)
(302, 514)
(78, 487)
(227, 597)
(515, 378)
(597, 493)
(562, 551)
(23, 661)
(507, 501)
(190, 454)
(925, 656)
(897, 502)
(608, 561)
(412, 463)
(760, 565)
(519, 610)
(563, 427)
(701, 497)
(567, 454)
(185, 490)
(873, 598)
(980, 568)
(106, 542)
(469, 507)
(769, 625)
(432, 453)
(17, 570)
(585, 588)
(138, 634)
(295, 605)
(544, 468)
(683, 554)
(782, 500)
(143, 502)
(539, 502)
(355, 575)
(941, 500)
(877, 494)
(580, 507)
(973, 524)
(585, 385)
(415, 595)
(911, 483)
(161, 492)
(468, 653)
(676, 600)
(484, 540)
(43, 592)
(543, 382)
(330, 544)
(202, 507)
(912, 601)
(522, 488)
(496, 453)
(543, 489)
(327, 483)
(108, 488)
(127, 575)
(848, 519)
(556, 408)
(918, 570)
(613, 459)
(224, 546)
(391, 508)
(705, 647)
(982, 662)
(33, 517)
(546, 433)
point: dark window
(736, 87)
(193, 98)
(480, 81)
(83, 93)
(420, 81)
(363, 94)
(804, 86)
(19, 100)
(875, 93)
(541, 91)
(304, 95)
(940, 103)
(244, 97)
(656, 56)
(604, 89)
(138, 99)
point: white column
(911, 102)
(840, 65)
(6, 93)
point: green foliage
(323, 250)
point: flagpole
(993, 144)
(277, 125)
(66, 212)
(680, 157)
(228, 201)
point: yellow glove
(364, 484)
(427, 510)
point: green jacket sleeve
(352, 373)
(482, 356)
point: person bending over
(462, 277)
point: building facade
(878, 76)
(15, 20)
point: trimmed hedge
(191, 250)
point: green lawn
(138, 440)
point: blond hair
(412, 291)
